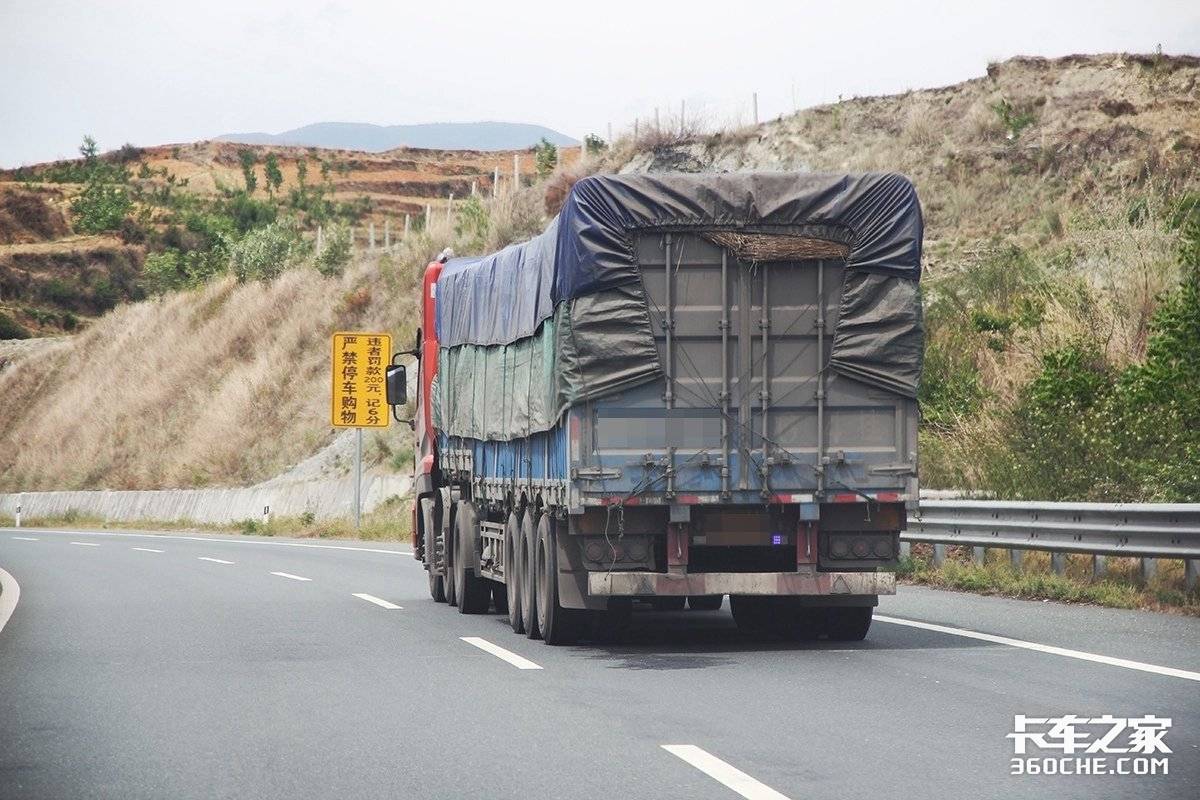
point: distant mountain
(434, 136)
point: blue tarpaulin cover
(584, 269)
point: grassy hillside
(1063, 324)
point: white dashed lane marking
(214, 560)
(370, 598)
(725, 773)
(290, 576)
(499, 652)
(147, 550)
(25, 538)
(86, 544)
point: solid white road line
(725, 773)
(10, 593)
(147, 550)
(227, 541)
(1045, 648)
(291, 576)
(214, 560)
(86, 544)
(25, 538)
(370, 598)
(499, 652)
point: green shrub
(100, 207)
(11, 329)
(1014, 119)
(471, 226)
(545, 157)
(335, 254)
(171, 270)
(594, 145)
(264, 254)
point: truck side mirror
(397, 385)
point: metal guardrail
(1147, 531)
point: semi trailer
(689, 386)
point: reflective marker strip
(1045, 648)
(499, 652)
(720, 771)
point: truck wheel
(668, 603)
(474, 592)
(437, 584)
(448, 563)
(527, 583)
(848, 623)
(797, 622)
(705, 602)
(512, 572)
(558, 625)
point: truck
(688, 387)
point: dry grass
(223, 385)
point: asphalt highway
(172, 666)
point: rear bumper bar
(630, 584)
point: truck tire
(848, 623)
(528, 585)
(558, 625)
(512, 572)
(705, 602)
(474, 592)
(437, 584)
(798, 622)
(448, 562)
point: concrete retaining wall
(329, 498)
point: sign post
(359, 367)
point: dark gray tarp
(583, 272)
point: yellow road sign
(359, 366)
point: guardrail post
(20, 501)
(939, 554)
(979, 555)
(1058, 563)
(1190, 569)
(1099, 566)
(1149, 567)
(1014, 558)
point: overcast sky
(164, 71)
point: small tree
(248, 159)
(545, 157)
(273, 173)
(594, 145)
(302, 173)
(88, 149)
